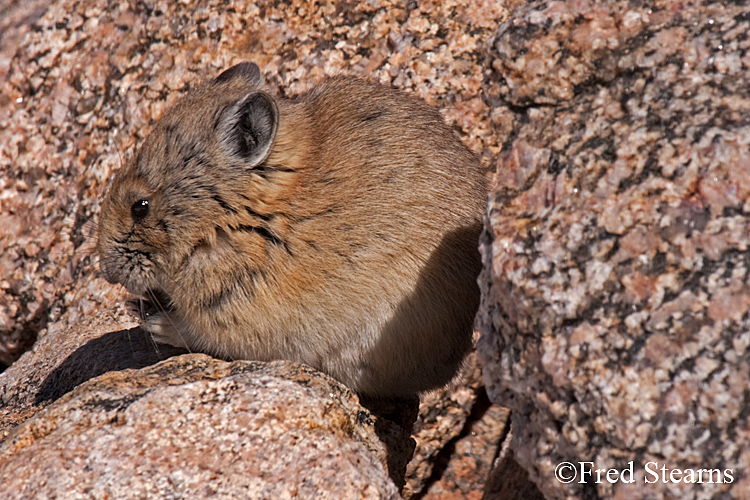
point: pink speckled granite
(196, 427)
(616, 297)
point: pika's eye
(139, 210)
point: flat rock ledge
(193, 426)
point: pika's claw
(163, 329)
(161, 324)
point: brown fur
(350, 246)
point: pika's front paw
(162, 324)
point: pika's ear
(248, 128)
(250, 72)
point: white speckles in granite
(615, 314)
(200, 428)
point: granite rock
(199, 427)
(462, 468)
(458, 434)
(16, 19)
(615, 319)
(67, 360)
(105, 341)
(508, 480)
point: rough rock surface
(616, 296)
(458, 435)
(462, 468)
(80, 90)
(199, 427)
(508, 480)
(16, 19)
(63, 359)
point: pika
(338, 228)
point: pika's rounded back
(338, 228)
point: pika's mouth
(153, 301)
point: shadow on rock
(113, 351)
(394, 419)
